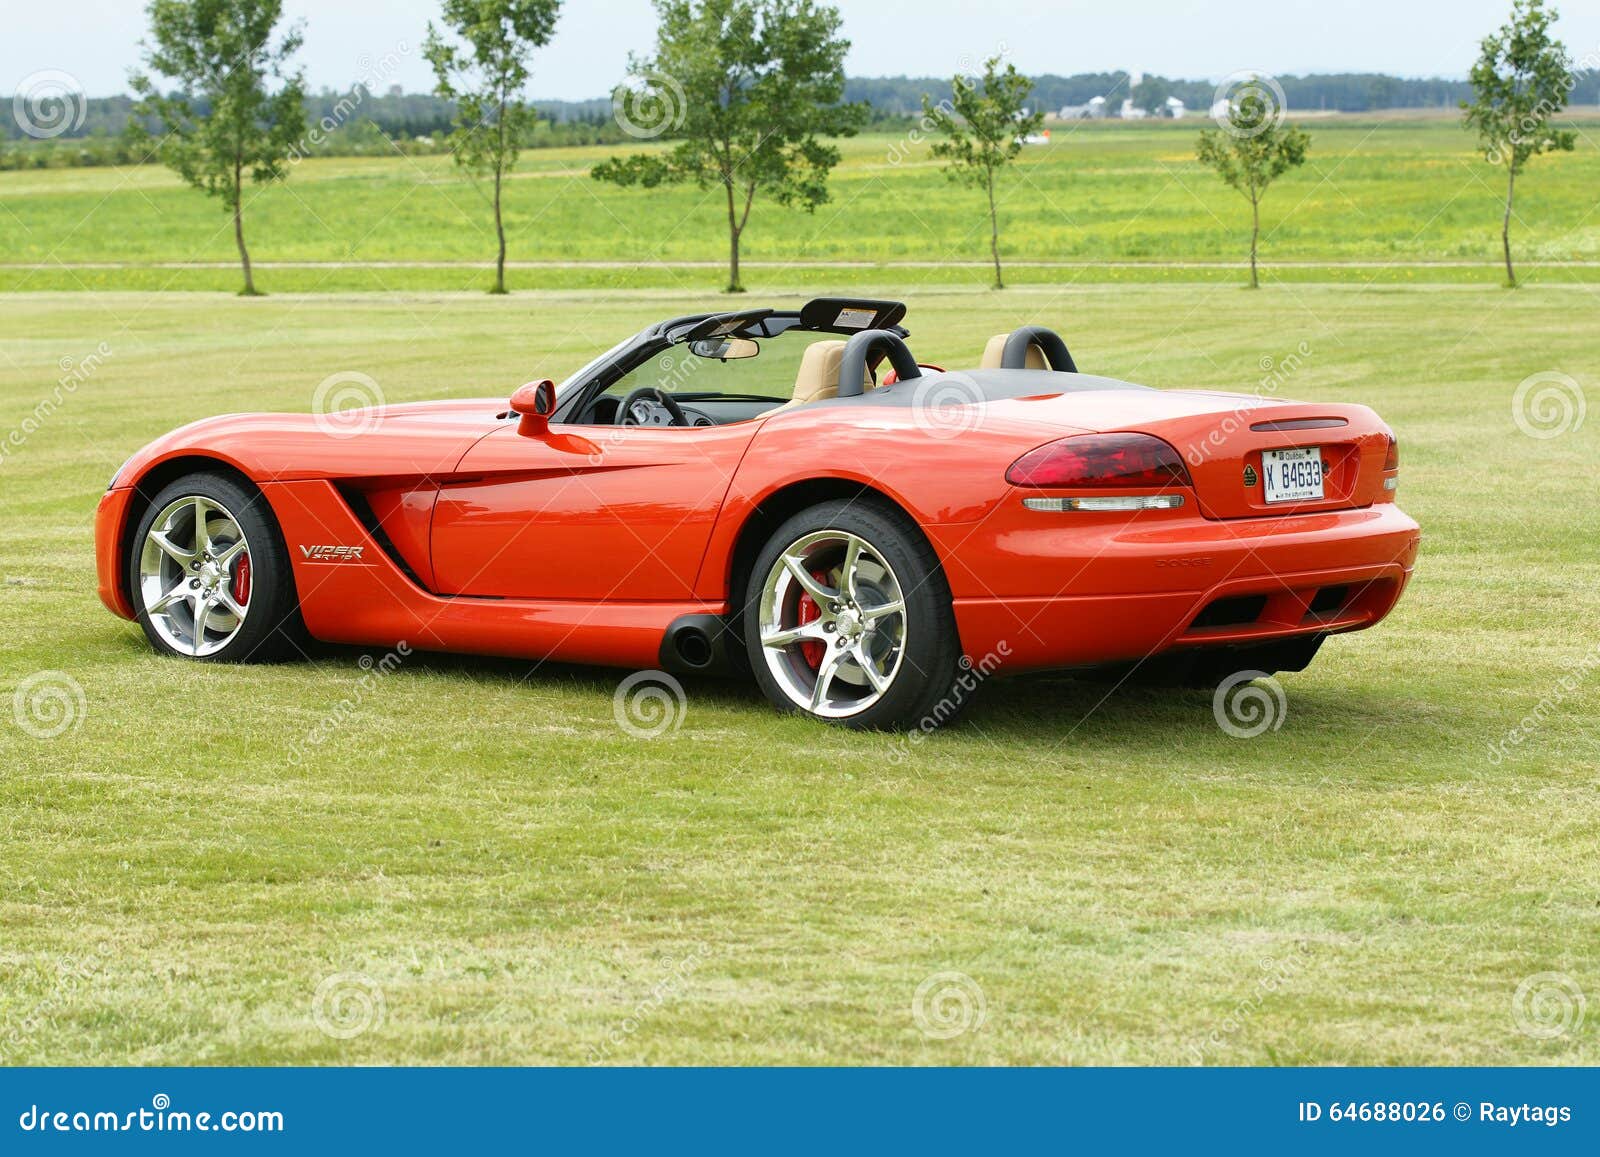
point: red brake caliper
(241, 580)
(812, 650)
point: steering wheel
(627, 417)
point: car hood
(421, 438)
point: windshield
(683, 373)
(587, 371)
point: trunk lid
(1223, 439)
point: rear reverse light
(1101, 461)
(1109, 502)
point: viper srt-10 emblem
(332, 553)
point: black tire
(272, 629)
(930, 686)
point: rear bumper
(1036, 590)
(109, 519)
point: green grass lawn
(1396, 192)
(483, 849)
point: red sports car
(786, 494)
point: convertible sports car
(786, 494)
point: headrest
(818, 377)
(994, 354)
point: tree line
(1333, 92)
(405, 115)
(746, 96)
(415, 124)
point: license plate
(1292, 475)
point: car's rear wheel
(210, 575)
(848, 619)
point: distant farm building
(1094, 110)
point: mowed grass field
(481, 866)
(1394, 195)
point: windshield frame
(579, 389)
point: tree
(745, 88)
(1522, 79)
(1253, 149)
(982, 132)
(485, 78)
(1151, 94)
(221, 122)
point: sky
(96, 41)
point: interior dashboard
(701, 412)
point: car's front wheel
(848, 619)
(210, 575)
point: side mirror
(535, 402)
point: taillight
(1391, 467)
(1101, 461)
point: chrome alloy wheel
(832, 623)
(194, 576)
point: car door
(584, 513)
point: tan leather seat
(818, 377)
(994, 354)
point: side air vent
(362, 509)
